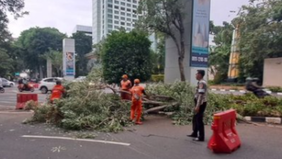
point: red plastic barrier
(23, 98)
(225, 138)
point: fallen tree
(87, 106)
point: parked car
(47, 84)
(7, 83)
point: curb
(244, 91)
(269, 120)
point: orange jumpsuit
(125, 86)
(136, 106)
(57, 92)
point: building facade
(84, 29)
(272, 72)
(109, 15)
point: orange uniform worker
(125, 86)
(57, 91)
(136, 107)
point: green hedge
(275, 89)
(157, 78)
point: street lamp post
(233, 70)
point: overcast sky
(65, 14)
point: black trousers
(198, 123)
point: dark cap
(58, 82)
(201, 72)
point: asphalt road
(156, 139)
(8, 100)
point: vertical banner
(70, 64)
(200, 33)
(69, 59)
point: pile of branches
(85, 106)
(176, 100)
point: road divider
(23, 98)
(225, 138)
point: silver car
(7, 83)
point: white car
(7, 83)
(47, 84)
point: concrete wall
(171, 62)
(272, 73)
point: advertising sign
(200, 33)
(70, 64)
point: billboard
(70, 64)
(200, 33)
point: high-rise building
(87, 30)
(111, 15)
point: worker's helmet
(124, 76)
(136, 81)
(249, 79)
(255, 79)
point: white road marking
(75, 139)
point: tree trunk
(181, 69)
(181, 58)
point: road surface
(156, 139)
(8, 100)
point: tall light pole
(233, 70)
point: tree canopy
(165, 16)
(260, 29)
(6, 63)
(219, 54)
(126, 53)
(35, 43)
(261, 35)
(13, 7)
(8, 59)
(83, 45)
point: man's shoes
(138, 123)
(198, 139)
(192, 135)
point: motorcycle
(258, 91)
(27, 87)
(2, 90)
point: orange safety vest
(57, 92)
(137, 92)
(125, 84)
